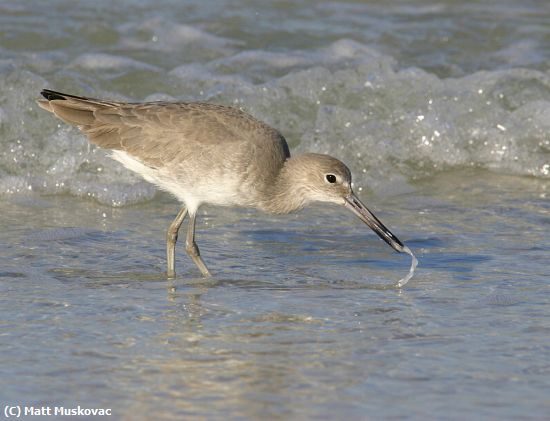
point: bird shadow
(296, 279)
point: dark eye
(331, 178)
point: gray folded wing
(156, 133)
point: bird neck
(286, 194)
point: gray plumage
(210, 154)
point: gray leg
(191, 246)
(171, 238)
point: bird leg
(171, 238)
(191, 246)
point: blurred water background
(441, 109)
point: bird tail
(75, 110)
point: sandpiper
(211, 154)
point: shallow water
(442, 113)
(297, 320)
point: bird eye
(331, 178)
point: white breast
(185, 184)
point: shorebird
(211, 154)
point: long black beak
(365, 215)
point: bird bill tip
(364, 214)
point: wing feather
(159, 133)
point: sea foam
(389, 124)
